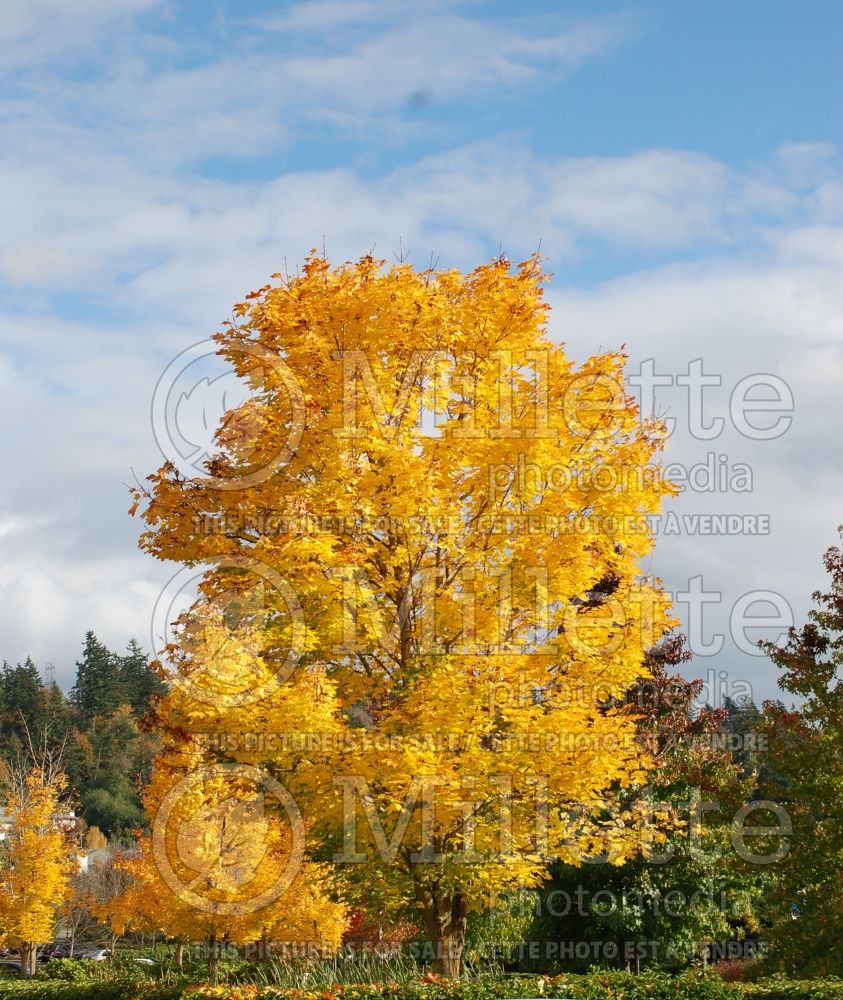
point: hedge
(595, 986)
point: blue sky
(678, 162)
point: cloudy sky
(678, 163)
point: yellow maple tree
(36, 863)
(422, 531)
(224, 862)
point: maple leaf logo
(200, 414)
(200, 411)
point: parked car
(56, 949)
(91, 952)
(10, 962)
(61, 949)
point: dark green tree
(110, 765)
(22, 709)
(98, 689)
(58, 718)
(140, 684)
(806, 747)
(105, 754)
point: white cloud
(147, 97)
(322, 15)
(806, 163)
(656, 198)
(442, 58)
(33, 32)
(145, 238)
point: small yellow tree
(221, 864)
(35, 865)
(94, 891)
(95, 839)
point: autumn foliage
(422, 538)
(36, 862)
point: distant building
(67, 821)
(92, 858)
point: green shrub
(781, 988)
(71, 970)
(114, 990)
(692, 985)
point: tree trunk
(180, 955)
(212, 959)
(27, 952)
(445, 918)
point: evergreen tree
(106, 756)
(139, 682)
(58, 721)
(22, 708)
(98, 689)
